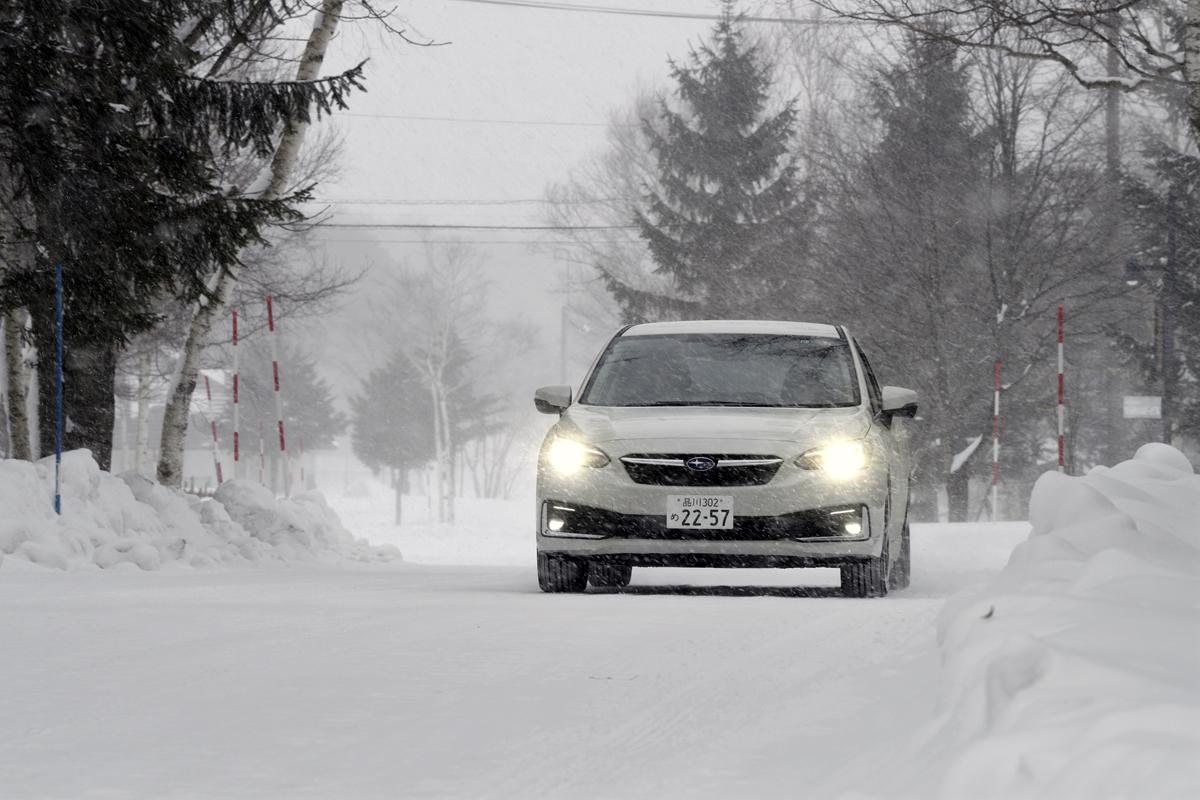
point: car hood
(799, 425)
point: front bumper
(795, 519)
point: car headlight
(839, 460)
(568, 456)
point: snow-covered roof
(735, 326)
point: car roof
(749, 326)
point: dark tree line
(943, 209)
(393, 417)
(111, 145)
(437, 393)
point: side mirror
(552, 399)
(899, 402)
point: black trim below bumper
(713, 560)
(823, 524)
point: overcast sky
(520, 69)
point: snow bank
(130, 522)
(1076, 672)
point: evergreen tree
(905, 261)
(392, 420)
(726, 218)
(113, 144)
(1167, 205)
(393, 416)
(309, 414)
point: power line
(450, 202)
(456, 241)
(489, 121)
(429, 226)
(640, 12)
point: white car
(725, 444)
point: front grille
(816, 523)
(730, 470)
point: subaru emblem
(700, 463)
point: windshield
(724, 370)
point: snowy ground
(434, 678)
(432, 681)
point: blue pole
(58, 384)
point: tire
(610, 576)
(558, 574)
(901, 572)
(867, 578)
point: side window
(872, 384)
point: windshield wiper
(736, 403)
(732, 403)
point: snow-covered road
(442, 681)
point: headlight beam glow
(839, 460)
(567, 456)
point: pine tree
(393, 416)
(1167, 206)
(309, 413)
(726, 217)
(905, 261)
(114, 144)
(393, 422)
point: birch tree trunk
(283, 164)
(447, 447)
(20, 442)
(399, 480)
(141, 441)
(4, 451)
(439, 452)
(15, 255)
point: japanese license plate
(700, 511)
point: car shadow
(728, 591)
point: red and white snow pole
(996, 447)
(236, 410)
(278, 394)
(302, 484)
(262, 457)
(1062, 441)
(212, 421)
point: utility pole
(1113, 385)
(1167, 320)
(1112, 116)
(562, 344)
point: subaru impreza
(725, 444)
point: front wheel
(867, 578)
(558, 574)
(902, 569)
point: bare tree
(489, 460)
(496, 453)
(261, 39)
(302, 281)
(275, 180)
(594, 207)
(969, 262)
(430, 311)
(1151, 42)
